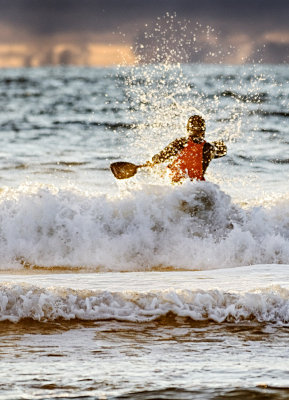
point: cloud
(276, 53)
(240, 29)
(58, 16)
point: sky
(109, 32)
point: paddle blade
(123, 170)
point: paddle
(124, 170)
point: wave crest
(193, 226)
(18, 302)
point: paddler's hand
(220, 148)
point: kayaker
(190, 155)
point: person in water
(191, 155)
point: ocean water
(139, 289)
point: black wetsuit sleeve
(208, 155)
(170, 151)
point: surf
(195, 226)
(218, 296)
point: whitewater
(200, 297)
(193, 226)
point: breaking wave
(193, 226)
(18, 302)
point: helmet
(196, 122)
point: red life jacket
(189, 162)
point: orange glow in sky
(26, 55)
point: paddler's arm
(169, 151)
(213, 150)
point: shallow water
(146, 334)
(108, 360)
(138, 289)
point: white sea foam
(48, 304)
(193, 226)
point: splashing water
(163, 90)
